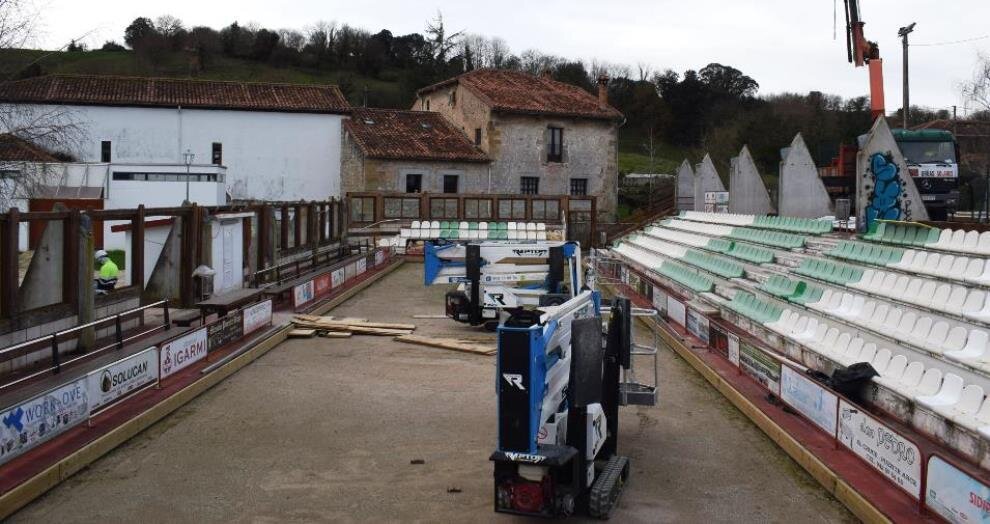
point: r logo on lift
(514, 379)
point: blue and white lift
(494, 276)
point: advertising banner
(32, 422)
(303, 293)
(895, 457)
(762, 367)
(362, 266)
(809, 398)
(224, 331)
(954, 495)
(337, 278)
(257, 316)
(675, 310)
(379, 257)
(349, 271)
(109, 383)
(322, 285)
(183, 352)
(733, 349)
(697, 325)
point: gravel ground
(325, 430)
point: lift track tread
(608, 486)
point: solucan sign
(122, 377)
(183, 352)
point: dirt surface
(328, 430)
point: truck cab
(932, 159)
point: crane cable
(933, 44)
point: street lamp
(903, 33)
(188, 156)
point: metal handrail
(118, 343)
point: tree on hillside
(140, 29)
(727, 81)
(977, 90)
(442, 42)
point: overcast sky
(786, 45)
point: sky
(786, 45)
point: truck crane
(860, 52)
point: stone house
(410, 152)
(543, 136)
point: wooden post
(264, 235)
(283, 238)
(137, 248)
(313, 225)
(297, 226)
(70, 260)
(594, 222)
(9, 264)
(324, 211)
(424, 206)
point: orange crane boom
(861, 52)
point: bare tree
(645, 71)
(977, 90)
(499, 51)
(442, 42)
(37, 128)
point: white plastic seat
(936, 337)
(864, 282)
(905, 325)
(887, 285)
(958, 239)
(783, 324)
(941, 297)
(801, 328)
(931, 263)
(845, 305)
(975, 421)
(958, 269)
(900, 286)
(415, 224)
(957, 299)
(840, 346)
(820, 330)
(881, 360)
(919, 262)
(974, 269)
(984, 277)
(868, 353)
(947, 395)
(944, 239)
(825, 343)
(852, 353)
(879, 315)
(983, 314)
(541, 226)
(955, 340)
(894, 369)
(926, 293)
(983, 243)
(975, 348)
(864, 316)
(970, 400)
(913, 288)
(909, 380)
(944, 268)
(906, 259)
(919, 333)
(891, 323)
(970, 242)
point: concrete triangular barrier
(685, 187)
(884, 187)
(705, 179)
(747, 192)
(802, 192)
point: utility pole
(903, 33)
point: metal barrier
(56, 357)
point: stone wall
(369, 174)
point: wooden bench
(225, 302)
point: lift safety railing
(56, 362)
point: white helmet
(101, 254)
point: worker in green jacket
(107, 280)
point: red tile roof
(15, 149)
(410, 135)
(174, 92)
(521, 93)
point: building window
(427, 104)
(529, 185)
(218, 153)
(414, 183)
(579, 187)
(477, 136)
(105, 151)
(555, 145)
(450, 183)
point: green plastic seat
(686, 277)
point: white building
(157, 141)
(276, 141)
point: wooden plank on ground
(430, 316)
(302, 333)
(353, 328)
(449, 343)
(334, 334)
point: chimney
(603, 91)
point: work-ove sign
(34, 421)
